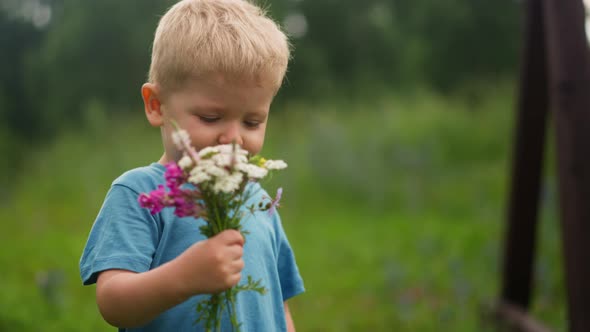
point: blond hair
(196, 38)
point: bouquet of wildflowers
(212, 184)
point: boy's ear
(150, 93)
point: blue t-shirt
(126, 236)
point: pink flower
(174, 175)
(183, 202)
(155, 200)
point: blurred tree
(18, 39)
(61, 55)
(345, 40)
(443, 44)
(461, 40)
(94, 50)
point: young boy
(216, 66)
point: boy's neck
(164, 159)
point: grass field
(394, 207)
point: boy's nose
(231, 134)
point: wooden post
(569, 72)
(531, 123)
(515, 318)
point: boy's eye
(252, 124)
(208, 119)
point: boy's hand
(211, 266)
(131, 299)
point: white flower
(222, 159)
(275, 164)
(225, 148)
(241, 152)
(211, 168)
(228, 184)
(208, 150)
(198, 176)
(185, 162)
(253, 171)
(229, 149)
(181, 139)
(241, 158)
(225, 159)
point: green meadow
(394, 206)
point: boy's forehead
(220, 92)
(221, 84)
(227, 84)
(259, 80)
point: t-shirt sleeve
(290, 278)
(124, 236)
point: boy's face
(214, 111)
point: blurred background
(396, 119)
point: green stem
(214, 319)
(245, 197)
(231, 309)
(213, 204)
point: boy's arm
(289, 319)
(130, 299)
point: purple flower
(275, 203)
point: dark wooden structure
(555, 81)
